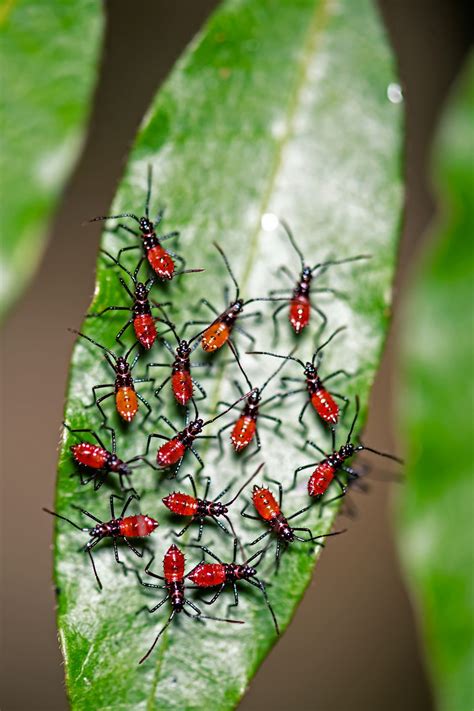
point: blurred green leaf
(275, 107)
(49, 62)
(437, 413)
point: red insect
(160, 260)
(269, 510)
(118, 529)
(219, 332)
(244, 429)
(172, 452)
(319, 397)
(98, 461)
(212, 575)
(182, 382)
(300, 298)
(326, 470)
(126, 397)
(174, 577)
(200, 509)
(142, 319)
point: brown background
(353, 643)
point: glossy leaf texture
(48, 75)
(437, 506)
(274, 108)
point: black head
(286, 533)
(254, 397)
(146, 225)
(117, 465)
(121, 366)
(195, 426)
(347, 450)
(246, 571)
(219, 509)
(183, 350)
(141, 292)
(306, 273)
(237, 306)
(310, 370)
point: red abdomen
(161, 262)
(170, 452)
(215, 336)
(182, 386)
(265, 503)
(299, 313)
(126, 402)
(320, 479)
(243, 432)
(145, 330)
(89, 455)
(137, 526)
(208, 575)
(325, 406)
(173, 565)
(181, 504)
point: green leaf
(48, 58)
(437, 505)
(274, 108)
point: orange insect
(269, 510)
(126, 397)
(219, 332)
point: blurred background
(371, 658)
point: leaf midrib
(315, 30)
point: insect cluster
(96, 453)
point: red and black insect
(300, 298)
(269, 510)
(174, 584)
(142, 319)
(319, 397)
(212, 575)
(172, 452)
(182, 382)
(200, 509)
(118, 529)
(98, 461)
(126, 397)
(326, 470)
(219, 332)
(159, 259)
(244, 429)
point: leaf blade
(263, 102)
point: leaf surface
(274, 108)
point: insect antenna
(114, 217)
(381, 454)
(321, 347)
(231, 407)
(275, 373)
(88, 338)
(148, 191)
(332, 262)
(237, 359)
(277, 355)
(119, 264)
(290, 236)
(68, 520)
(259, 468)
(226, 262)
(354, 420)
